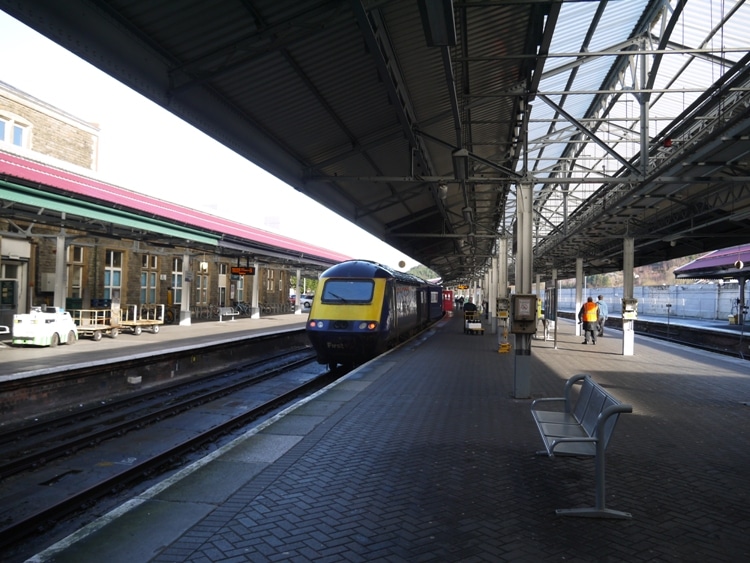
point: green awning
(63, 204)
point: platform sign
(243, 271)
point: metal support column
(524, 261)
(187, 291)
(61, 272)
(492, 303)
(628, 325)
(554, 301)
(255, 306)
(298, 295)
(502, 289)
(579, 292)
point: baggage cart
(96, 322)
(473, 323)
(136, 318)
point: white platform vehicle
(44, 326)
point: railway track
(35, 444)
(63, 466)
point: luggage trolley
(95, 322)
(473, 323)
(135, 318)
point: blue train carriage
(362, 308)
(434, 298)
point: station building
(70, 240)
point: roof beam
(590, 134)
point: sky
(144, 148)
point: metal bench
(582, 429)
(227, 312)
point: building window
(201, 289)
(148, 278)
(177, 280)
(148, 287)
(75, 271)
(113, 274)
(14, 131)
(241, 289)
(269, 280)
(149, 262)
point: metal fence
(699, 301)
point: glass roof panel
(557, 148)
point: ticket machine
(629, 309)
(523, 314)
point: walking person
(589, 316)
(470, 307)
(603, 315)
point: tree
(423, 272)
(310, 284)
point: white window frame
(241, 289)
(177, 277)
(14, 125)
(113, 272)
(75, 271)
(201, 289)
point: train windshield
(348, 291)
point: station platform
(424, 454)
(25, 361)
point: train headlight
(365, 325)
(315, 324)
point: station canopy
(423, 120)
(727, 263)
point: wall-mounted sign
(240, 271)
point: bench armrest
(546, 400)
(562, 440)
(566, 394)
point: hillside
(661, 273)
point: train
(363, 308)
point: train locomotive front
(362, 308)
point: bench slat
(555, 417)
(553, 430)
(584, 396)
(595, 406)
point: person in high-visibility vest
(589, 316)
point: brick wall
(51, 132)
